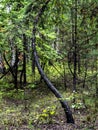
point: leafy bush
(47, 115)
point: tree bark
(2, 67)
(23, 78)
(24, 59)
(16, 69)
(53, 89)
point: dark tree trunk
(16, 69)
(23, 71)
(79, 63)
(53, 89)
(10, 68)
(24, 59)
(13, 69)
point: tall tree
(46, 80)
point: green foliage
(54, 42)
(94, 53)
(14, 94)
(77, 105)
(47, 115)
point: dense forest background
(49, 64)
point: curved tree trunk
(46, 80)
(53, 89)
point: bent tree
(46, 80)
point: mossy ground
(38, 109)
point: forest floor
(38, 109)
